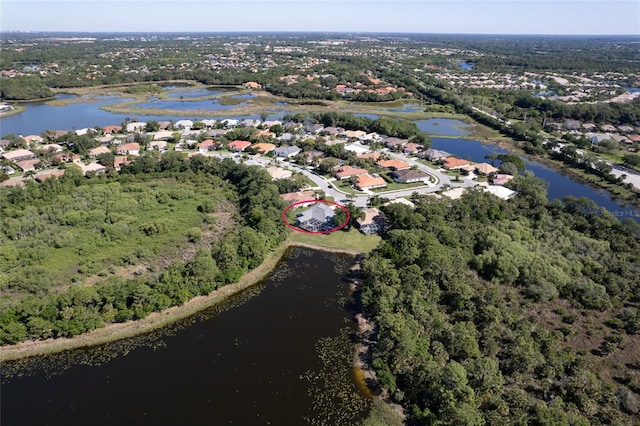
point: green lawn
(352, 240)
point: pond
(443, 127)
(196, 93)
(255, 360)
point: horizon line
(316, 32)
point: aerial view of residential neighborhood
(478, 197)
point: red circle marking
(295, 228)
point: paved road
(325, 185)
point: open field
(351, 240)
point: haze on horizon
(560, 17)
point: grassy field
(352, 240)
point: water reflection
(279, 353)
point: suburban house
(375, 156)
(42, 176)
(298, 197)
(99, 150)
(501, 178)
(132, 148)
(310, 156)
(452, 163)
(119, 162)
(91, 167)
(353, 134)
(373, 222)
(161, 146)
(435, 154)
(279, 173)
(136, 126)
(216, 133)
(206, 145)
(31, 139)
(18, 155)
(485, 169)
(346, 172)
(263, 148)
(238, 145)
(393, 164)
(28, 165)
(366, 182)
(410, 176)
(287, 151)
(316, 219)
(109, 130)
(396, 143)
(412, 148)
(183, 124)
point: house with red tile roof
(452, 163)
(238, 145)
(346, 172)
(109, 130)
(263, 148)
(206, 145)
(375, 156)
(42, 176)
(393, 164)
(119, 162)
(132, 148)
(366, 181)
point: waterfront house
(136, 126)
(485, 169)
(320, 217)
(373, 222)
(452, 163)
(436, 154)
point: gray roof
(287, 150)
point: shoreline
(155, 320)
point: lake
(39, 117)
(255, 360)
(560, 185)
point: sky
(559, 17)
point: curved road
(327, 187)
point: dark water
(254, 363)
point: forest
(78, 253)
(507, 312)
